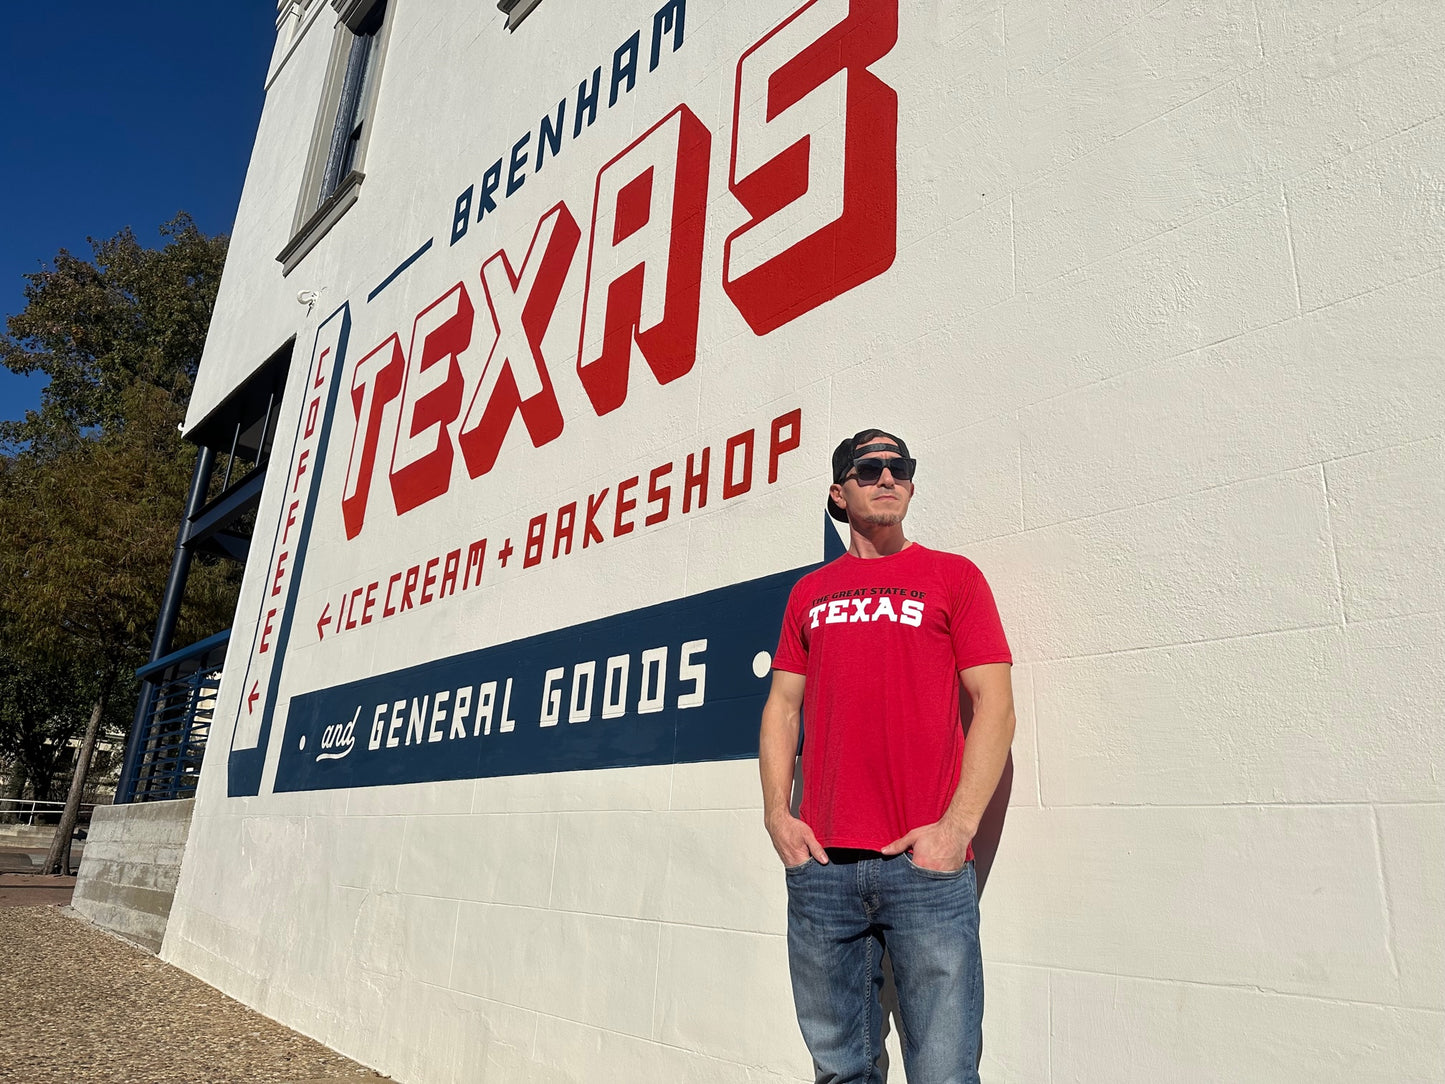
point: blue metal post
(165, 621)
(183, 733)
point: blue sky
(116, 115)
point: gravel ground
(78, 1006)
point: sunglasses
(869, 471)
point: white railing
(29, 807)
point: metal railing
(25, 811)
(173, 720)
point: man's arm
(777, 750)
(944, 844)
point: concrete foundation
(128, 875)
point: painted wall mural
(408, 412)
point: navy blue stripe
(418, 254)
(360, 734)
(246, 765)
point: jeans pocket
(804, 864)
(936, 874)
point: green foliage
(93, 484)
(44, 706)
(131, 316)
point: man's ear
(835, 494)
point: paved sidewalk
(33, 890)
(21, 886)
(78, 1006)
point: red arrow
(251, 700)
(325, 620)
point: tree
(43, 708)
(130, 317)
(92, 483)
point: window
(516, 10)
(343, 125)
(355, 105)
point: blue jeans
(841, 916)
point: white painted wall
(1165, 331)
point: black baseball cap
(851, 449)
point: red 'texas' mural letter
(375, 383)
(515, 378)
(431, 399)
(644, 269)
(815, 157)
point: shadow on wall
(985, 850)
(990, 827)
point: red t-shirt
(881, 641)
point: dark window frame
(240, 433)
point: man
(874, 647)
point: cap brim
(837, 513)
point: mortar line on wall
(1003, 40)
(452, 961)
(654, 1026)
(1379, 837)
(1019, 426)
(1164, 498)
(1100, 41)
(1220, 485)
(1429, 611)
(697, 416)
(1241, 480)
(1254, 193)
(1334, 549)
(975, 317)
(637, 920)
(1334, 27)
(1183, 223)
(749, 806)
(1038, 752)
(691, 527)
(400, 854)
(1179, 355)
(1409, 805)
(1247, 987)
(1013, 250)
(1299, 304)
(556, 846)
(1432, 438)
(1174, 644)
(541, 1014)
(1263, 62)
(1376, 289)
(1048, 173)
(974, 22)
(1356, 803)
(1049, 1054)
(989, 204)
